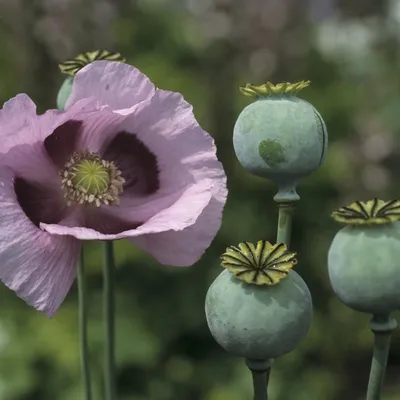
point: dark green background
(205, 50)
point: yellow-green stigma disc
(92, 176)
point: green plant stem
(260, 370)
(382, 327)
(285, 222)
(260, 385)
(284, 231)
(84, 348)
(109, 317)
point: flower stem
(84, 348)
(285, 222)
(284, 231)
(382, 327)
(260, 370)
(260, 385)
(109, 370)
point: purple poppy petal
(89, 131)
(15, 114)
(159, 217)
(31, 162)
(39, 202)
(161, 149)
(185, 247)
(84, 126)
(136, 162)
(185, 153)
(62, 143)
(107, 224)
(37, 183)
(115, 84)
(20, 125)
(39, 267)
(98, 130)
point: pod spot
(271, 152)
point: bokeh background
(205, 49)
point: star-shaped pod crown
(371, 212)
(72, 66)
(269, 89)
(263, 264)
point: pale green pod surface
(258, 322)
(64, 93)
(364, 267)
(280, 137)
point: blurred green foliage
(205, 50)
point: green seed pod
(280, 136)
(64, 93)
(258, 308)
(73, 66)
(363, 257)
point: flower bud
(279, 136)
(363, 258)
(257, 308)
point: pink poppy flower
(124, 160)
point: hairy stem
(109, 317)
(84, 348)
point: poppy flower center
(88, 179)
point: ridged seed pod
(363, 259)
(280, 136)
(258, 308)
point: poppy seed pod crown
(279, 136)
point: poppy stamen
(88, 179)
